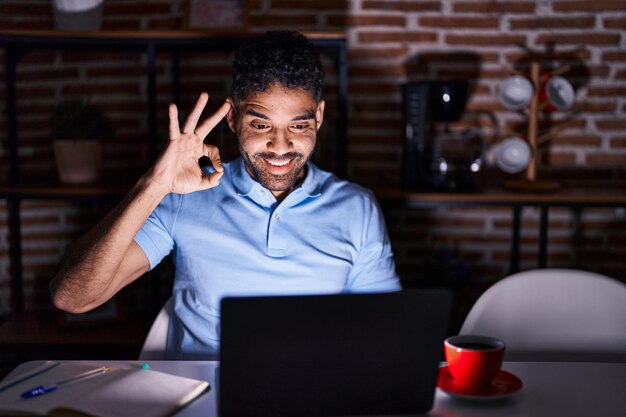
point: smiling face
(277, 130)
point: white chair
(156, 341)
(554, 315)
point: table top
(550, 389)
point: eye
(260, 126)
(300, 126)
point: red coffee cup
(474, 360)
(556, 93)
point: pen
(40, 390)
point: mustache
(275, 156)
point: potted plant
(77, 14)
(78, 130)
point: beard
(256, 165)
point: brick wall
(390, 43)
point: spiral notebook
(124, 391)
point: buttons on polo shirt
(276, 239)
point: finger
(194, 116)
(210, 181)
(212, 121)
(174, 128)
(213, 153)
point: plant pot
(77, 14)
(79, 161)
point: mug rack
(530, 182)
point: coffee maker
(437, 157)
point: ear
(231, 117)
(319, 114)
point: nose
(280, 143)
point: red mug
(556, 93)
(474, 360)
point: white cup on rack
(515, 92)
(513, 155)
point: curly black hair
(283, 57)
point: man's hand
(177, 169)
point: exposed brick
(37, 57)
(557, 158)
(108, 56)
(311, 4)
(614, 56)
(276, 20)
(374, 138)
(397, 37)
(164, 24)
(356, 53)
(475, 106)
(402, 5)
(611, 124)
(606, 158)
(494, 7)
(588, 107)
(547, 59)
(618, 143)
(117, 88)
(606, 91)
(121, 24)
(585, 22)
(358, 88)
(30, 9)
(128, 8)
(459, 22)
(121, 71)
(577, 140)
(376, 72)
(579, 39)
(588, 5)
(378, 107)
(43, 75)
(617, 23)
(567, 124)
(357, 122)
(482, 40)
(372, 155)
(366, 20)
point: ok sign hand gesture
(178, 169)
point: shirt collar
(244, 183)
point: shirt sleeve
(374, 269)
(156, 235)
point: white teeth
(278, 163)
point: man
(269, 222)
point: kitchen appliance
(437, 156)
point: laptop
(331, 355)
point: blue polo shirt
(327, 236)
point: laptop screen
(323, 355)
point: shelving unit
(17, 43)
(574, 199)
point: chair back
(155, 344)
(554, 314)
